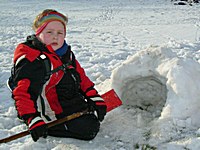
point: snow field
(153, 46)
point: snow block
(158, 81)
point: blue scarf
(61, 51)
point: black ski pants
(85, 127)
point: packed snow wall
(156, 80)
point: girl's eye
(49, 32)
(60, 33)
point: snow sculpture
(158, 81)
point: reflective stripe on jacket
(52, 99)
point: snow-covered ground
(148, 51)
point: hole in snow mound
(146, 93)
(157, 82)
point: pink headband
(53, 16)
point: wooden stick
(51, 124)
(110, 97)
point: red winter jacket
(61, 95)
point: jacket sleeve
(29, 80)
(87, 86)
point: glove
(97, 104)
(37, 128)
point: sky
(147, 51)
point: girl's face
(53, 34)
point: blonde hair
(40, 19)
